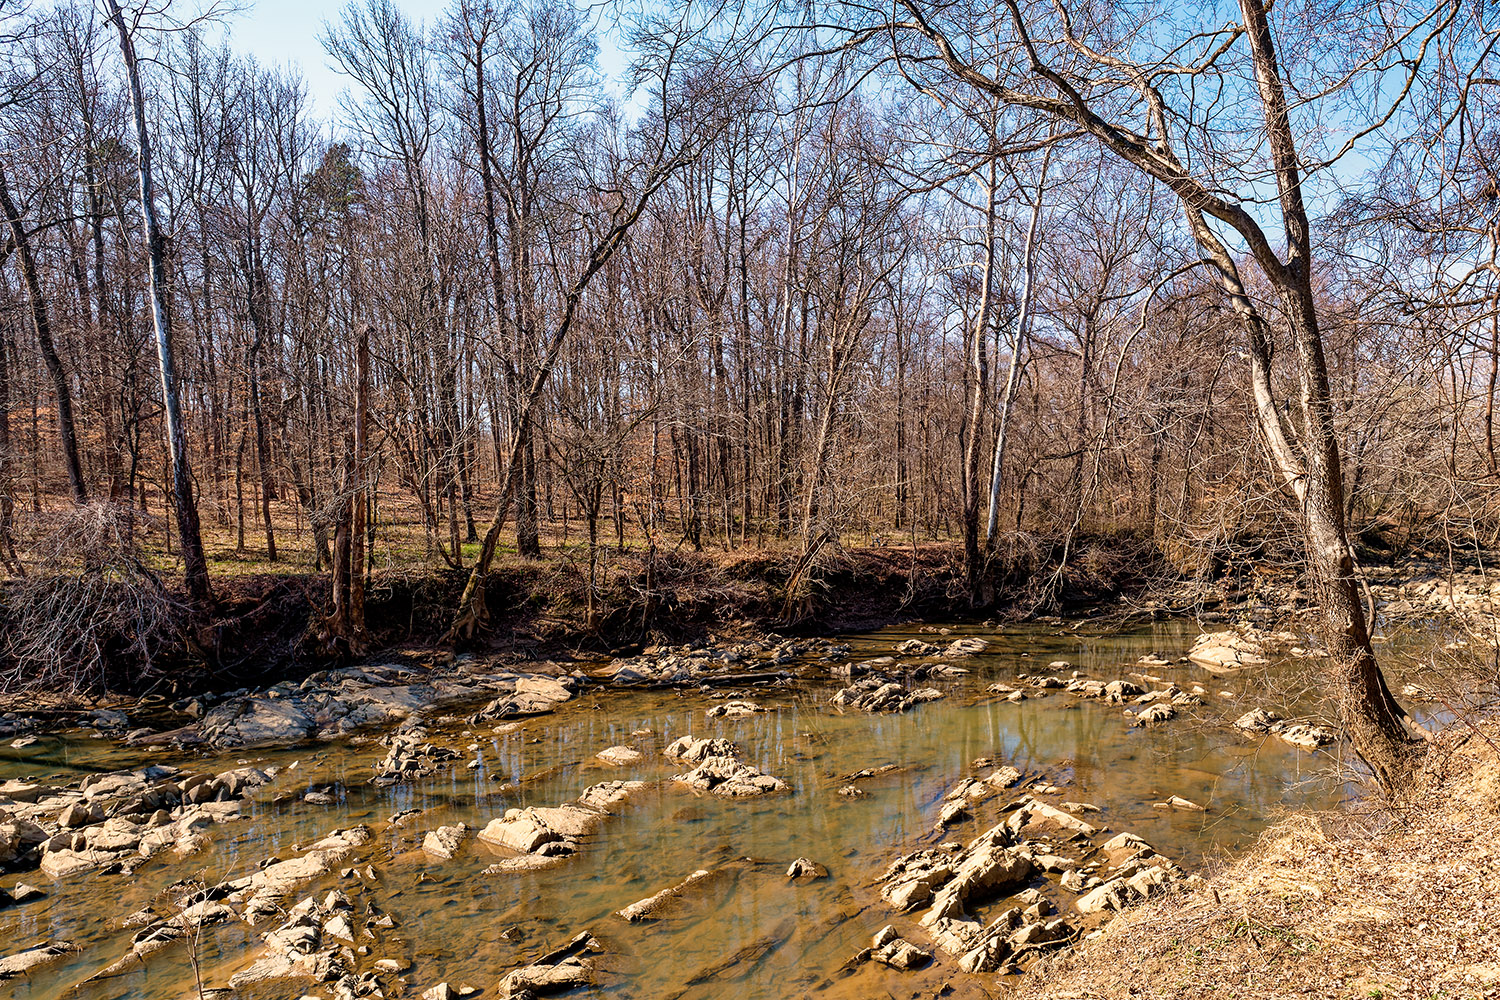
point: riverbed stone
(966, 646)
(878, 693)
(620, 756)
(806, 868)
(76, 815)
(910, 881)
(1307, 737)
(698, 749)
(730, 777)
(1153, 715)
(66, 863)
(35, 957)
(444, 841)
(1258, 720)
(258, 722)
(902, 955)
(734, 709)
(1226, 652)
(608, 796)
(568, 974)
(1035, 817)
(18, 837)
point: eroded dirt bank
(1383, 902)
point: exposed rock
(967, 646)
(735, 709)
(695, 749)
(76, 815)
(18, 837)
(258, 722)
(34, 958)
(1154, 715)
(902, 955)
(528, 830)
(645, 908)
(65, 863)
(606, 796)
(444, 841)
(1118, 691)
(730, 777)
(1177, 802)
(1224, 652)
(533, 695)
(620, 756)
(911, 880)
(1258, 720)
(915, 647)
(1035, 817)
(540, 980)
(806, 868)
(878, 693)
(24, 893)
(1307, 737)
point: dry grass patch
(1393, 902)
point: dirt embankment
(261, 630)
(1394, 901)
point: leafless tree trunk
(183, 506)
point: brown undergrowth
(257, 633)
(1371, 904)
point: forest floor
(1382, 902)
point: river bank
(264, 629)
(1384, 902)
(1018, 787)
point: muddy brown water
(748, 933)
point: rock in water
(620, 756)
(806, 868)
(444, 841)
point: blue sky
(286, 32)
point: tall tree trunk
(39, 322)
(194, 562)
(1017, 354)
(8, 557)
(979, 389)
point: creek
(749, 933)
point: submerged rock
(642, 909)
(35, 957)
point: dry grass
(1396, 902)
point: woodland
(1212, 285)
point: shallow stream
(748, 934)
